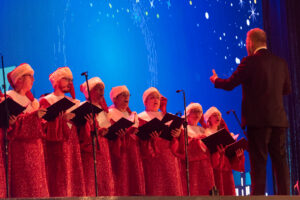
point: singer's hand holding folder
(176, 122)
(13, 109)
(232, 148)
(82, 111)
(58, 107)
(150, 127)
(116, 127)
(222, 137)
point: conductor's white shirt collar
(259, 48)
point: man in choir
(27, 174)
(265, 79)
(105, 179)
(63, 158)
(125, 153)
(161, 167)
(222, 164)
(201, 174)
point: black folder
(176, 123)
(151, 126)
(83, 110)
(13, 109)
(168, 117)
(60, 106)
(231, 149)
(221, 137)
(113, 129)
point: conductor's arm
(238, 77)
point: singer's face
(215, 119)
(65, 84)
(153, 102)
(122, 100)
(97, 92)
(25, 83)
(195, 115)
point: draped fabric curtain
(282, 25)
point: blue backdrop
(169, 44)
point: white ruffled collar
(149, 115)
(24, 101)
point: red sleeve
(163, 104)
(148, 147)
(224, 125)
(56, 130)
(27, 126)
(238, 163)
(202, 122)
(85, 138)
(178, 148)
(117, 145)
(44, 103)
(239, 76)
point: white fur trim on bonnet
(62, 72)
(211, 111)
(148, 92)
(20, 71)
(193, 106)
(115, 91)
(92, 83)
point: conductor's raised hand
(214, 76)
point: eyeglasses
(216, 115)
(98, 87)
(27, 75)
(68, 79)
(196, 111)
(124, 94)
(153, 97)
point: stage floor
(180, 198)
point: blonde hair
(257, 36)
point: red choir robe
(27, 172)
(2, 160)
(62, 154)
(2, 165)
(105, 180)
(125, 156)
(201, 175)
(161, 166)
(223, 167)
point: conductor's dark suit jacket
(265, 79)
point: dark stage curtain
(282, 25)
